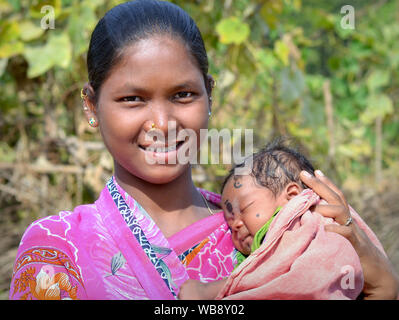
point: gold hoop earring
(152, 127)
(83, 95)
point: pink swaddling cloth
(298, 259)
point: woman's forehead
(157, 58)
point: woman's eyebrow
(185, 85)
(130, 87)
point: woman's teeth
(162, 149)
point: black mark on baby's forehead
(237, 183)
(229, 206)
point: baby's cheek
(254, 223)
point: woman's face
(157, 81)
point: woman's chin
(163, 174)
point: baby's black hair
(276, 165)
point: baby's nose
(237, 224)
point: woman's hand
(197, 290)
(380, 279)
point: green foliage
(232, 30)
(271, 60)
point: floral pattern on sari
(47, 284)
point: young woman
(151, 229)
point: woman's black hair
(276, 165)
(132, 21)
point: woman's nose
(162, 116)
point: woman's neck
(160, 200)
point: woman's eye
(183, 95)
(131, 99)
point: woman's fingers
(321, 188)
(337, 207)
(338, 212)
(346, 232)
(331, 185)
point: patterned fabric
(190, 254)
(47, 285)
(112, 249)
(134, 226)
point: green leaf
(9, 42)
(270, 13)
(59, 46)
(378, 105)
(9, 31)
(266, 58)
(81, 20)
(39, 60)
(282, 51)
(232, 30)
(377, 79)
(10, 49)
(56, 52)
(39, 5)
(30, 31)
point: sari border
(138, 233)
(136, 258)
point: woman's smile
(154, 91)
(162, 153)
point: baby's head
(249, 201)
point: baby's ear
(292, 190)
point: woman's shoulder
(47, 254)
(56, 229)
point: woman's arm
(380, 279)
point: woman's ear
(210, 84)
(292, 190)
(89, 106)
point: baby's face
(247, 207)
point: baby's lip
(243, 238)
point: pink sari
(113, 250)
